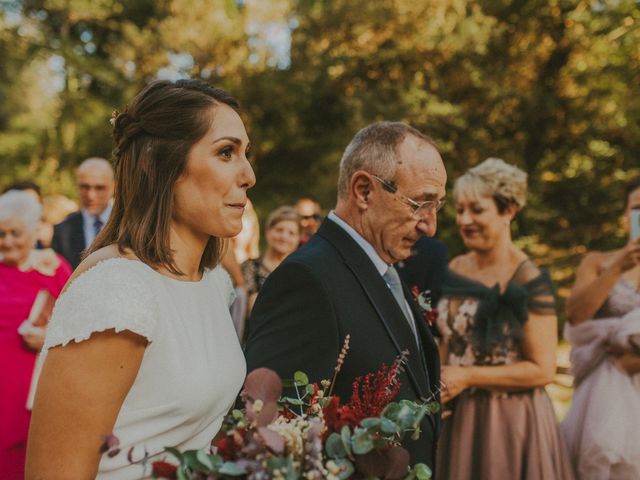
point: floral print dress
(491, 433)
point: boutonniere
(423, 299)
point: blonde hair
(282, 214)
(507, 184)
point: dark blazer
(325, 290)
(68, 238)
(426, 267)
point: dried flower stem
(340, 362)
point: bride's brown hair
(153, 136)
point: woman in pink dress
(499, 335)
(24, 271)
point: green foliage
(550, 85)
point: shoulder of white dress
(115, 293)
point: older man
(76, 233)
(391, 184)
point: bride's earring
(507, 221)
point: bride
(141, 343)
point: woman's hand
(454, 381)
(625, 259)
(34, 340)
(629, 362)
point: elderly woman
(498, 324)
(282, 234)
(601, 427)
(24, 272)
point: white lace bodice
(193, 366)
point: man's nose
(427, 228)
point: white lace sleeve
(114, 294)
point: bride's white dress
(193, 366)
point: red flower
(331, 415)
(431, 316)
(371, 394)
(162, 469)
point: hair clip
(112, 120)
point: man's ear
(361, 189)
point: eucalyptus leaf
(362, 441)
(216, 461)
(334, 447)
(347, 468)
(370, 422)
(182, 473)
(345, 435)
(389, 426)
(422, 472)
(300, 378)
(191, 461)
(292, 471)
(205, 460)
(232, 469)
(175, 452)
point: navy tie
(97, 225)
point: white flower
(293, 431)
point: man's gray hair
(374, 150)
(22, 206)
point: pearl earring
(507, 221)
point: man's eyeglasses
(316, 216)
(419, 208)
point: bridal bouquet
(310, 435)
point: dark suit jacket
(68, 238)
(325, 290)
(426, 267)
